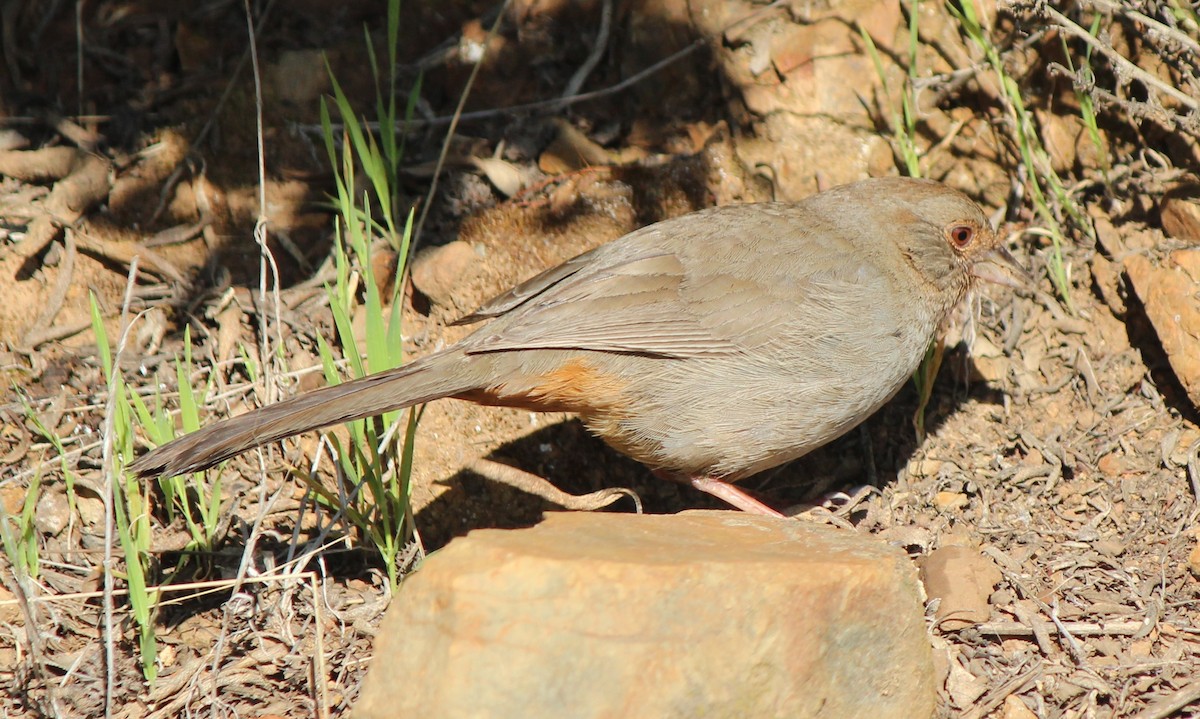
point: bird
(710, 347)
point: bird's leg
(723, 491)
(731, 494)
(540, 487)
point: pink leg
(725, 492)
(731, 494)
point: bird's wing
(536, 285)
(710, 286)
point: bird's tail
(439, 375)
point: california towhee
(710, 346)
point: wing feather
(706, 288)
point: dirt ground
(1061, 441)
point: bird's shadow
(578, 463)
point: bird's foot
(832, 508)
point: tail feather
(427, 379)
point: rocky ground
(1052, 500)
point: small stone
(1060, 136)
(1111, 465)
(1194, 560)
(53, 513)
(963, 686)
(716, 614)
(1183, 448)
(1179, 213)
(926, 467)
(439, 271)
(1014, 708)
(12, 499)
(90, 509)
(947, 501)
(1109, 547)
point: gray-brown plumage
(713, 345)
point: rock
(299, 77)
(1111, 465)
(53, 513)
(715, 614)
(1014, 708)
(90, 509)
(963, 687)
(1060, 136)
(439, 271)
(1189, 261)
(12, 499)
(1108, 282)
(1169, 295)
(963, 579)
(1185, 444)
(1179, 213)
(1193, 560)
(950, 501)
(803, 77)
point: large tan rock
(713, 614)
(804, 76)
(1168, 292)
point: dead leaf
(963, 579)
(571, 150)
(503, 175)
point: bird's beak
(1001, 267)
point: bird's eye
(962, 235)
